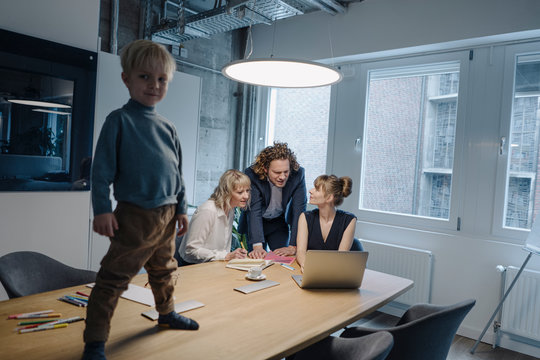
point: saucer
(258, 278)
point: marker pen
(287, 266)
(39, 328)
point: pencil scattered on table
(286, 266)
(43, 327)
(35, 322)
(78, 299)
(35, 315)
(30, 315)
(47, 324)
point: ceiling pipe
(114, 26)
(330, 6)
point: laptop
(332, 269)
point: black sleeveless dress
(315, 238)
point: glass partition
(47, 93)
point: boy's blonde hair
(146, 54)
(228, 183)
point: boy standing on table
(138, 151)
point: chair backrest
(356, 245)
(178, 242)
(425, 332)
(375, 346)
(26, 272)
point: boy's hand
(182, 224)
(105, 224)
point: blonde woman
(209, 233)
(326, 228)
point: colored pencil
(40, 328)
(65, 321)
(50, 322)
(37, 316)
(33, 322)
(23, 315)
(72, 302)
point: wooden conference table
(267, 324)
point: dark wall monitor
(47, 100)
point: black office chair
(375, 346)
(424, 332)
(26, 272)
(356, 245)
(177, 256)
(178, 242)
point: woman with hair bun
(326, 228)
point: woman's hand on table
(236, 254)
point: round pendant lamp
(281, 73)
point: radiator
(521, 309)
(414, 264)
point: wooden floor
(461, 346)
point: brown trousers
(145, 238)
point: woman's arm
(301, 241)
(200, 245)
(348, 236)
(236, 254)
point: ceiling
(177, 21)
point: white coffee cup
(255, 272)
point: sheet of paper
(136, 293)
(139, 294)
(179, 307)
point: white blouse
(209, 234)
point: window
(410, 131)
(299, 117)
(522, 201)
(443, 143)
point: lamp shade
(281, 73)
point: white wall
(374, 26)
(70, 22)
(54, 223)
(464, 265)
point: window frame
(512, 52)
(409, 220)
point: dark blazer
(293, 202)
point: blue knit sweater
(138, 151)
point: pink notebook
(280, 259)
